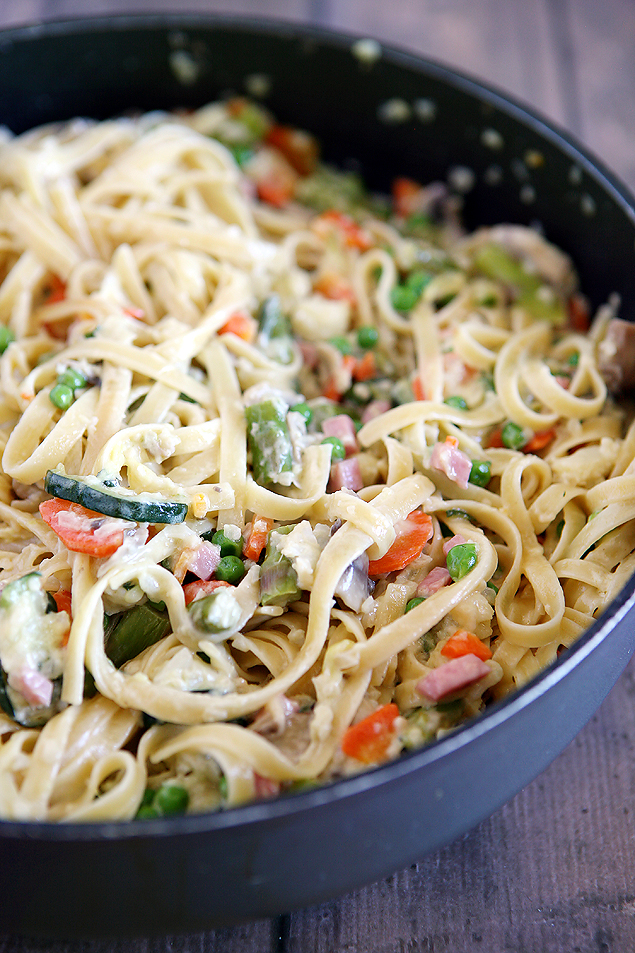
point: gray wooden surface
(553, 871)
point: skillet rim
(497, 713)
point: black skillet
(193, 873)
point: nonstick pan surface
(194, 873)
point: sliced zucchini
(119, 502)
(129, 633)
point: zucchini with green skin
(119, 502)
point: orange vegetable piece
(495, 439)
(331, 391)
(275, 190)
(369, 740)
(63, 601)
(261, 526)
(579, 316)
(464, 642)
(417, 389)
(539, 441)
(405, 196)
(299, 148)
(335, 287)
(202, 587)
(82, 530)
(365, 367)
(56, 290)
(242, 325)
(351, 234)
(412, 535)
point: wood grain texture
(553, 870)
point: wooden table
(553, 871)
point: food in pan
(295, 477)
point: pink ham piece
(265, 787)
(452, 677)
(310, 354)
(375, 409)
(453, 462)
(436, 579)
(451, 543)
(346, 475)
(204, 560)
(342, 427)
(272, 719)
(37, 689)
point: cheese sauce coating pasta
(294, 477)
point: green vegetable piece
(490, 585)
(458, 513)
(98, 495)
(489, 301)
(242, 155)
(254, 118)
(5, 701)
(513, 436)
(403, 298)
(228, 547)
(303, 409)
(488, 382)
(455, 401)
(573, 359)
(269, 440)
(418, 222)
(481, 472)
(215, 613)
(129, 633)
(413, 603)
(367, 337)
(187, 399)
(73, 379)
(171, 799)
(559, 528)
(441, 302)
(13, 591)
(61, 396)
(342, 344)
(338, 452)
(147, 812)
(417, 281)
(278, 578)
(461, 559)
(148, 797)
(6, 337)
(230, 569)
(543, 305)
(494, 262)
(275, 331)
(222, 787)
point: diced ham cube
(204, 560)
(452, 677)
(436, 579)
(342, 427)
(616, 355)
(265, 787)
(37, 689)
(310, 354)
(453, 462)
(375, 409)
(451, 543)
(346, 475)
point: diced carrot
(242, 325)
(335, 287)
(464, 642)
(405, 195)
(417, 389)
(351, 234)
(539, 441)
(411, 536)
(331, 390)
(63, 600)
(56, 290)
(261, 526)
(299, 148)
(82, 530)
(202, 587)
(579, 316)
(275, 190)
(369, 740)
(365, 367)
(495, 439)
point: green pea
(171, 799)
(338, 452)
(61, 396)
(73, 379)
(146, 813)
(303, 409)
(480, 473)
(417, 281)
(461, 559)
(230, 569)
(413, 603)
(148, 797)
(367, 337)
(6, 337)
(455, 401)
(403, 298)
(228, 547)
(513, 436)
(342, 344)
